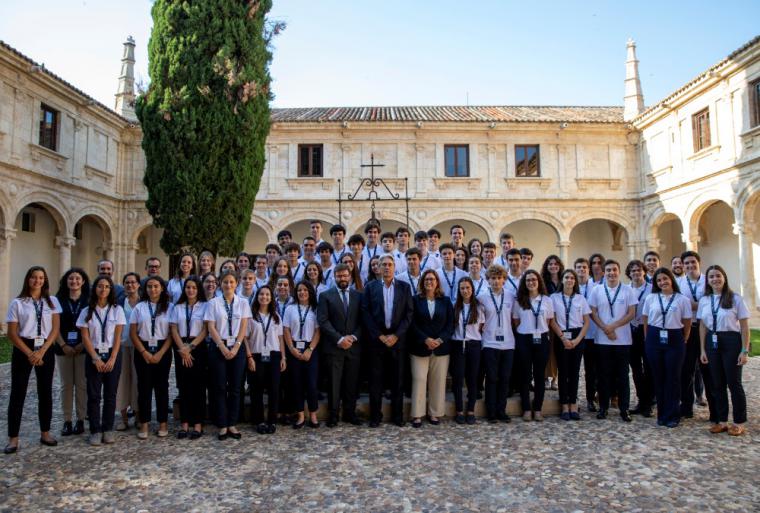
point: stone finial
(633, 100)
(125, 94)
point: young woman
(210, 286)
(73, 295)
(374, 269)
(475, 247)
(301, 336)
(265, 362)
(206, 263)
(280, 268)
(184, 271)
(189, 332)
(149, 331)
(464, 359)
(640, 368)
(571, 322)
(226, 319)
(551, 271)
(533, 314)
(667, 321)
(431, 330)
(315, 277)
(724, 339)
(101, 324)
(126, 392)
(479, 282)
(284, 289)
(461, 256)
(33, 325)
(356, 279)
(228, 266)
(243, 261)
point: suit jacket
(373, 310)
(333, 322)
(441, 325)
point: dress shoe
(459, 418)
(235, 435)
(736, 430)
(626, 416)
(399, 423)
(602, 414)
(78, 428)
(10, 449)
(52, 442)
(374, 424)
(718, 428)
(433, 421)
(355, 421)
(592, 407)
(195, 435)
(67, 429)
(672, 424)
(470, 419)
(574, 415)
(222, 436)
(299, 425)
(417, 423)
(565, 415)
(271, 429)
(492, 420)
(503, 417)
(313, 425)
(332, 422)
(182, 434)
(262, 429)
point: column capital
(739, 228)
(8, 233)
(563, 244)
(65, 241)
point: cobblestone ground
(552, 466)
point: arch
(601, 235)
(5, 216)
(604, 215)
(263, 223)
(656, 218)
(298, 224)
(718, 243)
(699, 205)
(451, 216)
(533, 215)
(396, 218)
(52, 204)
(101, 217)
(538, 235)
(747, 197)
(256, 239)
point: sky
(417, 52)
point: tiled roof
(457, 114)
(49, 73)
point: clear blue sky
(422, 52)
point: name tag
(71, 337)
(103, 350)
(715, 340)
(153, 344)
(230, 342)
(499, 338)
(300, 346)
(568, 335)
(663, 336)
(265, 356)
(536, 338)
(38, 342)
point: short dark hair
(284, 233)
(513, 251)
(388, 235)
(337, 228)
(610, 261)
(581, 260)
(372, 224)
(315, 221)
(274, 247)
(506, 236)
(652, 253)
(341, 267)
(421, 235)
(456, 226)
(291, 246)
(356, 239)
(526, 252)
(309, 237)
(446, 245)
(489, 245)
(687, 254)
(435, 232)
(633, 263)
(325, 246)
(402, 229)
(414, 251)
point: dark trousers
(105, 384)
(464, 364)
(227, 377)
(726, 373)
(691, 360)
(532, 360)
(590, 369)
(386, 362)
(642, 371)
(667, 364)
(191, 382)
(498, 365)
(266, 376)
(153, 379)
(568, 369)
(303, 381)
(344, 380)
(20, 371)
(613, 362)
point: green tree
(205, 119)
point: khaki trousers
(429, 382)
(126, 393)
(71, 372)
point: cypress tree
(205, 119)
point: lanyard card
(301, 345)
(536, 338)
(568, 335)
(715, 340)
(499, 334)
(38, 342)
(103, 350)
(663, 336)
(230, 342)
(152, 344)
(265, 356)
(71, 338)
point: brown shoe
(537, 416)
(736, 430)
(527, 416)
(718, 428)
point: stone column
(563, 247)
(746, 267)
(6, 237)
(633, 249)
(64, 245)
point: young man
(356, 245)
(309, 250)
(449, 274)
(652, 262)
(273, 252)
(489, 254)
(514, 271)
(427, 260)
(434, 239)
(261, 268)
(527, 258)
(284, 237)
(402, 245)
(676, 266)
(475, 266)
(296, 266)
(613, 307)
(372, 232)
(643, 379)
(338, 234)
(105, 268)
(315, 228)
(457, 236)
(507, 242)
(326, 252)
(586, 285)
(412, 273)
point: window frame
(310, 172)
(754, 102)
(45, 139)
(527, 167)
(701, 140)
(456, 148)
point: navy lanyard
(228, 308)
(611, 302)
(511, 282)
(665, 310)
(424, 262)
(537, 311)
(75, 312)
(693, 289)
(327, 275)
(714, 312)
(282, 309)
(295, 273)
(643, 291)
(411, 282)
(335, 260)
(498, 308)
(38, 308)
(450, 283)
(503, 262)
(585, 291)
(103, 323)
(568, 306)
(152, 320)
(301, 320)
(374, 252)
(188, 317)
(265, 328)
(465, 317)
(480, 286)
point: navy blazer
(441, 325)
(373, 310)
(333, 323)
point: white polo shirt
(728, 318)
(450, 281)
(180, 314)
(677, 308)
(622, 297)
(155, 326)
(216, 312)
(641, 295)
(108, 317)
(301, 321)
(578, 308)
(498, 319)
(470, 331)
(530, 323)
(264, 335)
(24, 312)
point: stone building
(683, 173)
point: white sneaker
(109, 437)
(162, 433)
(95, 439)
(142, 435)
(121, 426)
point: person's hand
(109, 364)
(703, 358)
(229, 354)
(743, 359)
(187, 358)
(384, 339)
(430, 343)
(35, 357)
(295, 352)
(68, 350)
(251, 365)
(306, 355)
(79, 348)
(98, 363)
(567, 343)
(391, 340)
(283, 364)
(345, 343)
(147, 357)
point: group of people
(301, 319)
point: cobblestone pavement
(552, 466)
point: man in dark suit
(387, 309)
(339, 320)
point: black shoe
(459, 418)
(687, 415)
(374, 423)
(646, 412)
(79, 427)
(271, 429)
(284, 420)
(182, 434)
(492, 420)
(574, 415)
(332, 421)
(67, 429)
(399, 423)
(470, 419)
(50, 443)
(626, 416)
(223, 436)
(262, 429)
(235, 436)
(417, 423)
(355, 421)
(434, 422)
(504, 418)
(10, 449)
(602, 414)
(592, 407)
(299, 425)
(195, 435)
(313, 425)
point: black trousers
(20, 371)
(464, 364)
(667, 368)
(191, 382)
(265, 377)
(613, 362)
(498, 365)
(691, 360)
(303, 381)
(726, 373)
(532, 360)
(590, 369)
(568, 369)
(386, 362)
(153, 379)
(227, 377)
(105, 385)
(641, 370)
(344, 367)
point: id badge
(715, 340)
(300, 346)
(230, 342)
(265, 357)
(536, 338)
(663, 336)
(152, 344)
(103, 352)
(499, 335)
(71, 338)
(568, 335)
(38, 342)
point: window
(526, 160)
(309, 160)
(78, 231)
(457, 160)
(700, 128)
(48, 127)
(27, 222)
(754, 102)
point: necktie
(345, 302)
